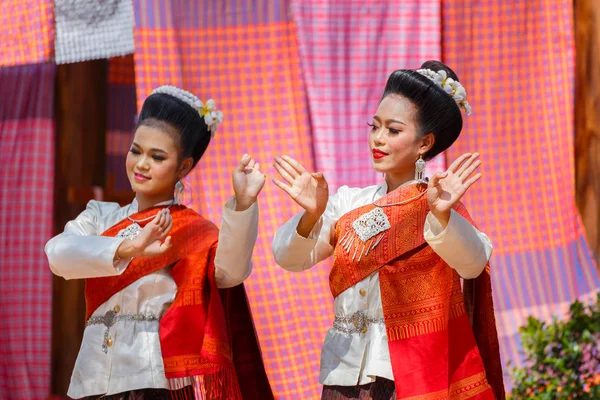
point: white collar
(383, 188)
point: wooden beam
(587, 116)
(80, 115)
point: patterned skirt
(381, 389)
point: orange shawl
(202, 324)
(436, 353)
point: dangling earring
(179, 188)
(419, 169)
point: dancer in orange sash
(166, 309)
(403, 327)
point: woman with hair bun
(167, 315)
(403, 328)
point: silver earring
(179, 188)
(419, 170)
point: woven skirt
(147, 394)
(381, 389)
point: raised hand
(248, 181)
(152, 240)
(309, 190)
(445, 189)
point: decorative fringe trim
(180, 383)
(406, 331)
(184, 393)
(457, 310)
(221, 385)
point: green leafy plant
(562, 359)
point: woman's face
(394, 140)
(153, 162)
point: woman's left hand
(445, 189)
(248, 181)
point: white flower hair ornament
(212, 116)
(450, 86)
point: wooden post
(80, 163)
(587, 116)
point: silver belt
(111, 317)
(355, 323)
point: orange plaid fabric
(247, 60)
(27, 34)
(515, 60)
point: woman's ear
(186, 167)
(427, 143)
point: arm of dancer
(237, 237)
(294, 252)
(239, 225)
(79, 252)
(460, 244)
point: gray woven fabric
(92, 29)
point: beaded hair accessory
(450, 86)
(208, 110)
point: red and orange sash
(436, 353)
(201, 332)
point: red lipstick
(378, 154)
(140, 178)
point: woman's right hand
(152, 240)
(308, 189)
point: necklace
(148, 218)
(370, 228)
(134, 230)
(401, 202)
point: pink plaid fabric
(26, 223)
(348, 48)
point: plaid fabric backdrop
(245, 56)
(515, 59)
(248, 58)
(121, 114)
(27, 33)
(348, 49)
(26, 209)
